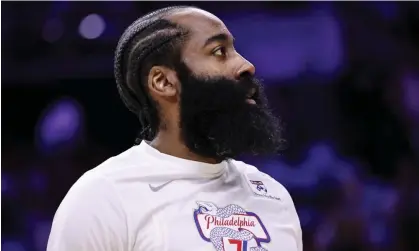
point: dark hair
(151, 40)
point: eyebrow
(222, 37)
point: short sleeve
(90, 218)
(294, 217)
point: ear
(163, 81)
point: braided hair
(151, 40)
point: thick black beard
(216, 121)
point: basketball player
(180, 189)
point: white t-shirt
(144, 200)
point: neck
(172, 144)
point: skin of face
(208, 51)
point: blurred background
(344, 77)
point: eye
(220, 51)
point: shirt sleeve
(90, 218)
(295, 221)
(297, 225)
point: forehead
(200, 23)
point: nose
(245, 68)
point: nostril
(245, 75)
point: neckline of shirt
(190, 166)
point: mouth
(251, 101)
(250, 98)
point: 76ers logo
(259, 186)
(230, 228)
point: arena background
(344, 76)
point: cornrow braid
(151, 40)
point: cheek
(212, 69)
(208, 66)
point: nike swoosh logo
(158, 188)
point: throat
(172, 145)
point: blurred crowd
(352, 160)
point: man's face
(209, 50)
(223, 109)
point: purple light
(388, 10)
(12, 246)
(38, 182)
(300, 44)
(8, 188)
(92, 26)
(41, 232)
(321, 154)
(60, 123)
(53, 30)
(5, 183)
(411, 93)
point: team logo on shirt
(259, 189)
(230, 228)
(259, 186)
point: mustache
(246, 86)
(253, 87)
(251, 84)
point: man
(179, 188)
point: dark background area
(343, 76)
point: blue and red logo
(230, 228)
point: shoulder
(251, 172)
(91, 191)
(125, 179)
(102, 187)
(125, 162)
(111, 183)
(127, 166)
(88, 217)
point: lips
(250, 98)
(251, 101)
